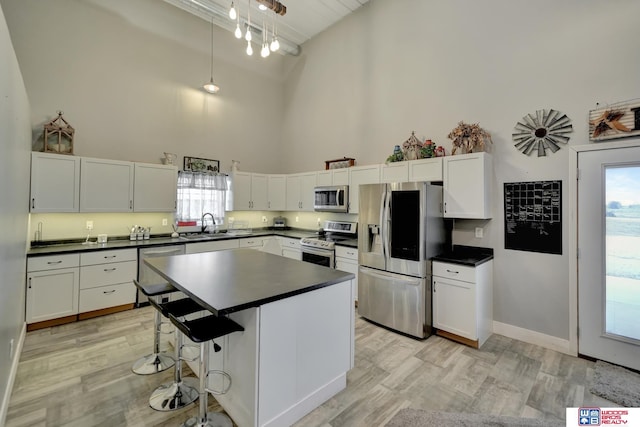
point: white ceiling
(303, 20)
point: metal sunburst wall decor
(544, 130)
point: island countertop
(233, 280)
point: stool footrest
(154, 289)
(179, 308)
(206, 328)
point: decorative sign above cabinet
(615, 121)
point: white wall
(14, 194)
(393, 67)
(128, 76)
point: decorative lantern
(58, 136)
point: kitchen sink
(200, 236)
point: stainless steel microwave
(331, 199)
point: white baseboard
(12, 375)
(533, 337)
(309, 403)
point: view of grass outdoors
(623, 251)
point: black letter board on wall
(533, 216)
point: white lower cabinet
(251, 243)
(52, 287)
(291, 248)
(106, 279)
(219, 245)
(462, 301)
(347, 260)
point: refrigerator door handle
(386, 226)
(381, 234)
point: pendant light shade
(210, 86)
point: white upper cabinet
(155, 188)
(324, 178)
(425, 170)
(467, 186)
(277, 189)
(259, 192)
(55, 183)
(342, 176)
(250, 191)
(106, 185)
(394, 172)
(358, 175)
(300, 191)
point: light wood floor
(80, 375)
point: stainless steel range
(320, 249)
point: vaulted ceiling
(303, 19)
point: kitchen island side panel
(306, 349)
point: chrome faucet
(204, 225)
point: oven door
(321, 257)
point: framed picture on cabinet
(197, 164)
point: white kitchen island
(298, 342)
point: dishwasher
(146, 275)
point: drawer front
(52, 262)
(106, 296)
(101, 257)
(344, 252)
(93, 276)
(250, 243)
(454, 271)
(290, 243)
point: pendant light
(238, 32)
(232, 12)
(275, 44)
(210, 86)
(247, 35)
(265, 43)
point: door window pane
(622, 251)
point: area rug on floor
(418, 418)
(616, 384)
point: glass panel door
(622, 251)
(609, 255)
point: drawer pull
(111, 256)
(109, 292)
(54, 262)
(110, 269)
(452, 271)
(350, 253)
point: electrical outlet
(11, 349)
(297, 219)
(318, 221)
(89, 225)
(479, 232)
(164, 221)
(231, 219)
(264, 218)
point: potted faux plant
(468, 138)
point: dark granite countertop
(466, 255)
(233, 280)
(76, 246)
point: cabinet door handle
(109, 292)
(434, 287)
(54, 262)
(29, 282)
(452, 271)
(110, 269)
(445, 207)
(33, 203)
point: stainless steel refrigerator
(400, 228)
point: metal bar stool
(202, 331)
(156, 361)
(181, 391)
